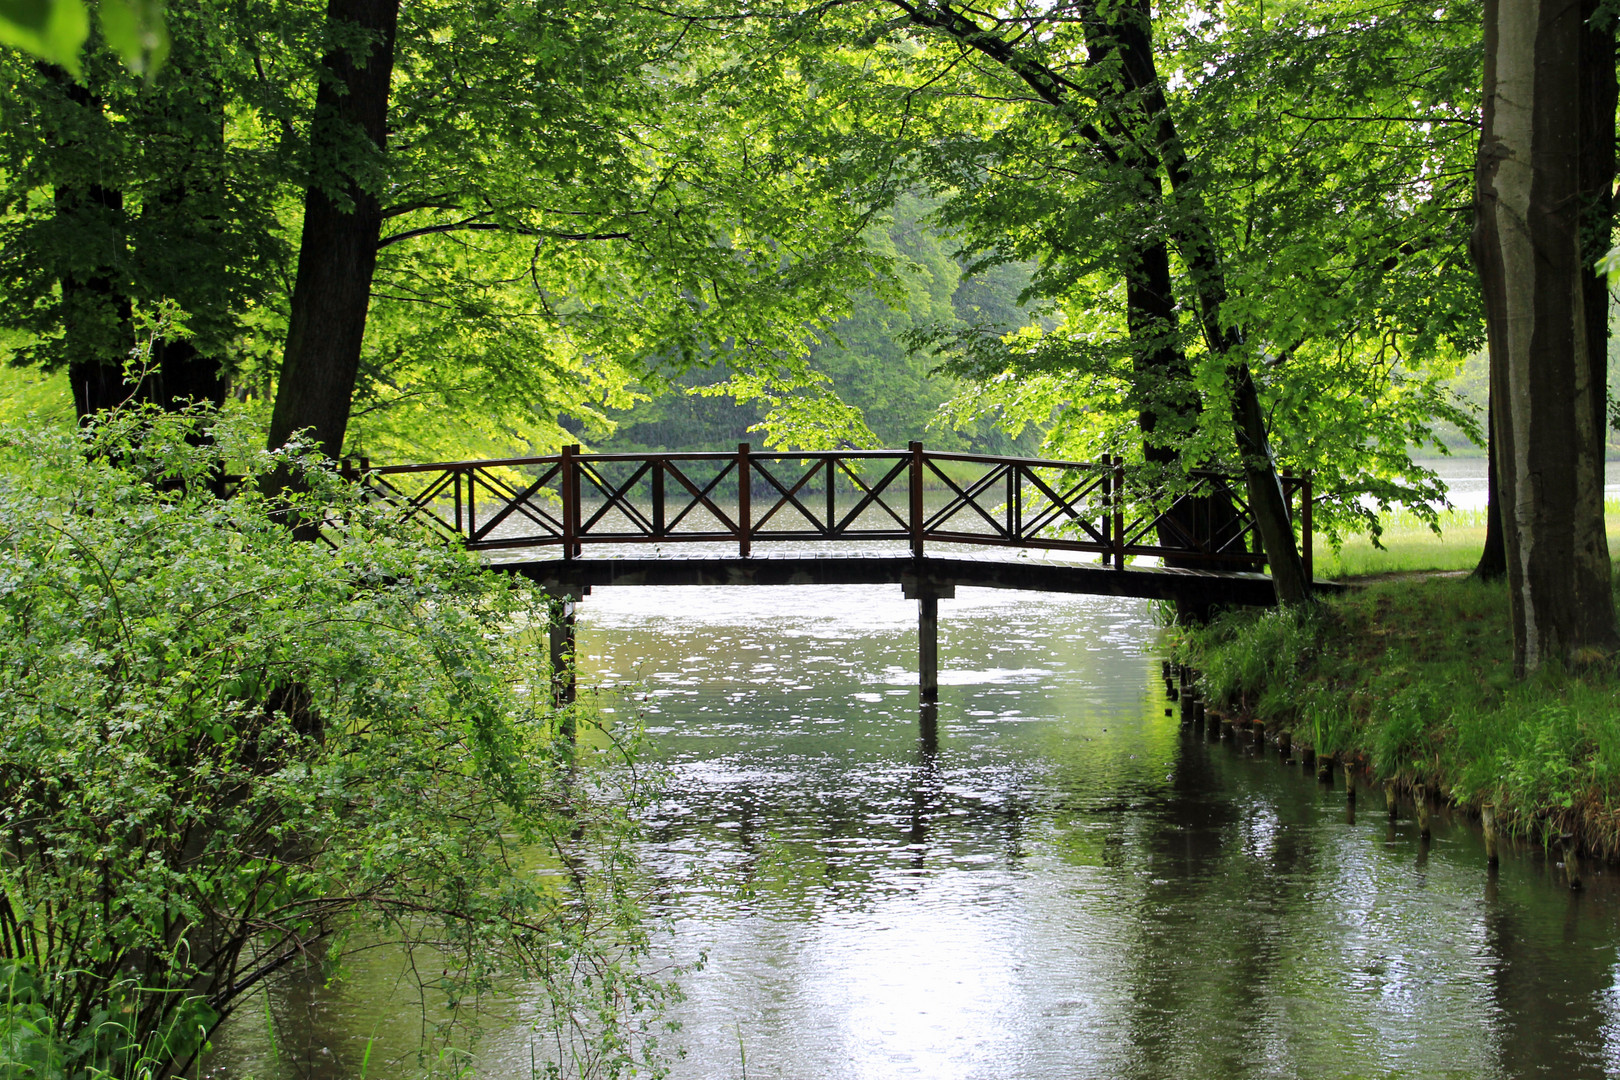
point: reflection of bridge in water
(922, 519)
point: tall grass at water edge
(1409, 545)
(1412, 679)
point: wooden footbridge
(922, 519)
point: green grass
(1413, 680)
(1409, 545)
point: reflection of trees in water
(1278, 948)
(1550, 987)
(1204, 969)
(1246, 924)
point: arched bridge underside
(924, 520)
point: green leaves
(137, 32)
(211, 731)
(56, 30)
(53, 30)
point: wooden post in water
(1420, 795)
(1487, 821)
(1572, 859)
(1285, 744)
(928, 647)
(928, 594)
(1391, 806)
(560, 632)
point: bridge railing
(917, 496)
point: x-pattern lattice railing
(571, 500)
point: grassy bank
(1409, 544)
(1411, 680)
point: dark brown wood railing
(571, 500)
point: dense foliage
(860, 384)
(221, 746)
(1303, 174)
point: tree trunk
(342, 220)
(1267, 503)
(1131, 24)
(1164, 380)
(95, 306)
(1492, 565)
(1546, 141)
(1127, 27)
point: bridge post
(1305, 525)
(917, 519)
(560, 631)
(561, 639)
(745, 512)
(928, 648)
(568, 481)
(1119, 512)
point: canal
(1065, 886)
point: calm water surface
(1065, 886)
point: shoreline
(1406, 681)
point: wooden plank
(1151, 583)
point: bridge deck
(937, 574)
(939, 509)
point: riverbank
(1410, 680)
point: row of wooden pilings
(1181, 687)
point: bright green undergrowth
(225, 749)
(1415, 678)
(1410, 545)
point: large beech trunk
(97, 309)
(342, 221)
(1546, 160)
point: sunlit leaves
(56, 30)
(53, 30)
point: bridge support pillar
(928, 648)
(560, 632)
(928, 594)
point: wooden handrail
(1015, 502)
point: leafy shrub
(221, 744)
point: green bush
(220, 744)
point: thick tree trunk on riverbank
(342, 221)
(1136, 101)
(1546, 160)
